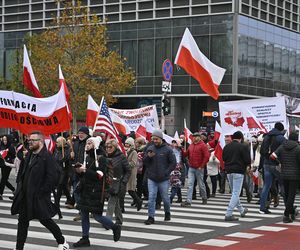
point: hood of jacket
(290, 145)
(275, 132)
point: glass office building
(256, 41)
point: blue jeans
(270, 173)
(235, 182)
(174, 191)
(85, 222)
(163, 188)
(196, 173)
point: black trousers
(5, 171)
(63, 187)
(290, 189)
(23, 224)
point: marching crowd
(94, 170)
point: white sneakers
(64, 246)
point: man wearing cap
(198, 156)
(160, 161)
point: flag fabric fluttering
(119, 124)
(4, 153)
(50, 143)
(91, 112)
(29, 80)
(220, 145)
(196, 64)
(104, 124)
(187, 133)
(62, 82)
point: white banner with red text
(252, 116)
(26, 113)
(133, 117)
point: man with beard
(36, 179)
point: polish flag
(50, 144)
(144, 130)
(220, 145)
(91, 112)
(120, 125)
(196, 64)
(253, 122)
(62, 82)
(176, 136)
(29, 80)
(4, 153)
(187, 134)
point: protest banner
(133, 117)
(25, 113)
(252, 116)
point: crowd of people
(94, 170)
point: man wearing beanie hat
(160, 161)
(272, 140)
(77, 157)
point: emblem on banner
(234, 118)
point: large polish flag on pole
(91, 112)
(196, 64)
(29, 80)
(219, 135)
(187, 133)
(62, 82)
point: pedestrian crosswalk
(196, 223)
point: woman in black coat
(9, 153)
(91, 188)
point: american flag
(104, 124)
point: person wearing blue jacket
(160, 161)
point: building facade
(256, 41)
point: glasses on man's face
(109, 147)
(33, 140)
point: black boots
(83, 242)
(117, 232)
(136, 200)
(149, 221)
(167, 216)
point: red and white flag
(187, 134)
(62, 82)
(196, 64)
(50, 144)
(144, 130)
(220, 145)
(119, 124)
(91, 112)
(104, 124)
(4, 153)
(29, 80)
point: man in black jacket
(36, 179)
(288, 154)
(236, 156)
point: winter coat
(160, 166)
(198, 154)
(274, 139)
(91, 188)
(289, 156)
(132, 158)
(11, 153)
(35, 183)
(175, 176)
(63, 161)
(236, 157)
(79, 149)
(118, 169)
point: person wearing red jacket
(198, 156)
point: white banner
(134, 117)
(252, 116)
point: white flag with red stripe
(29, 80)
(91, 112)
(196, 64)
(220, 145)
(187, 133)
(50, 144)
(62, 82)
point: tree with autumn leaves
(78, 41)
